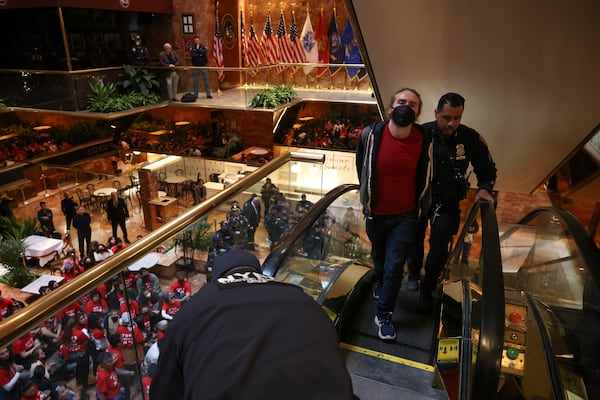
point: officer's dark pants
(442, 229)
(391, 238)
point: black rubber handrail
(557, 389)
(587, 248)
(481, 380)
(280, 252)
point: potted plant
(273, 97)
(12, 250)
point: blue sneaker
(376, 291)
(386, 328)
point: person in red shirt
(170, 307)
(69, 311)
(181, 287)
(108, 386)
(96, 304)
(73, 348)
(132, 339)
(6, 306)
(132, 308)
(9, 375)
(124, 375)
(25, 349)
(29, 391)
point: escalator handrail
(280, 252)
(587, 248)
(482, 381)
(47, 306)
(557, 388)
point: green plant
(271, 98)
(12, 250)
(202, 236)
(13, 229)
(101, 95)
(104, 98)
(138, 80)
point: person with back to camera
(259, 327)
(390, 155)
(454, 147)
(69, 208)
(199, 59)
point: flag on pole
(295, 44)
(352, 53)
(336, 50)
(218, 47)
(254, 49)
(245, 61)
(282, 44)
(309, 44)
(322, 45)
(269, 46)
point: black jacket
(117, 213)
(246, 337)
(451, 159)
(366, 153)
(198, 55)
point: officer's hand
(483, 194)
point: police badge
(460, 152)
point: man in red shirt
(108, 386)
(181, 287)
(170, 307)
(390, 154)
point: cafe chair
(84, 199)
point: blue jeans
(391, 239)
(204, 74)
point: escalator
(340, 278)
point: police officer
(139, 52)
(455, 146)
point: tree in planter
(12, 250)
(202, 236)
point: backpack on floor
(189, 97)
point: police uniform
(451, 158)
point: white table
(147, 262)
(34, 287)
(43, 248)
(103, 194)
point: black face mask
(403, 115)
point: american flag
(244, 41)
(282, 44)
(218, 48)
(298, 54)
(269, 46)
(254, 50)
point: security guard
(453, 147)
